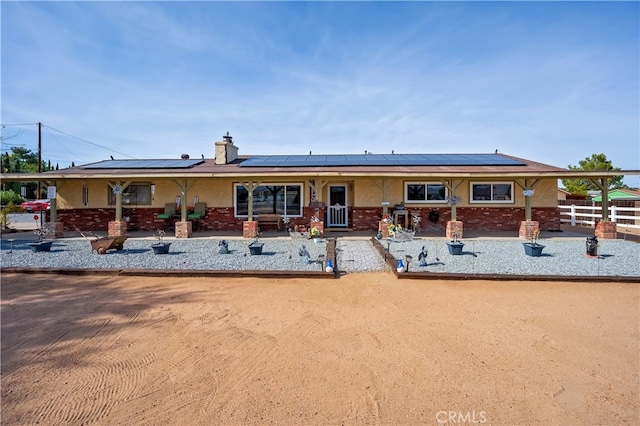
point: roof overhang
(248, 173)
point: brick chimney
(226, 151)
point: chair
(169, 212)
(199, 212)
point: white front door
(337, 213)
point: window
(136, 194)
(490, 192)
(284, 199)
(424, 192)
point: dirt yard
(364, 349)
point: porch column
(53, 226)
(605, 229)
(184, 228)
(451, 187)
(605, 199)
(528, 227)
(250, 227)
(118, 227)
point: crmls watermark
(461, 417)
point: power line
(18, 124)
(89, 142)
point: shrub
(10, 208)
(9, 196)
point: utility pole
(38, 195)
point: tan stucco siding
(368, 193)
(219, 192)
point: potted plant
(315, 234)
(255, 248)
(40, 245)
(455, 245)
(532, 248)
(160, 247)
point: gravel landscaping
(561, 257)
(201, 253)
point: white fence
(625, 217)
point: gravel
(277, 254)
(561, 257)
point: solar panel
(145, 164)
(380, 160)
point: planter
(41, 246)
(533, 249)
(455, 248)
(256, 248)
(161, 248)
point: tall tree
(595, 162)
(20, 160)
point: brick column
(606, 231)
(54, 228)
(183, 229)
(528, 228)
(249, 229)
(117, 228)
(454, 226)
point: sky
(552, 82)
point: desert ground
(362, 349)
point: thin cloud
(553, 82)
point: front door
(337, 214)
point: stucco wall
(368, 193)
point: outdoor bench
(270, 219)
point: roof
(381, 160)
(620, 194)
(436, 166)
(183, 163)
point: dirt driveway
(364, 349)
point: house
(488, 192)
(621, 194)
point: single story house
(621, 194)
(488, 192)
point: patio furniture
(270, 219)
(199, 212)
(169, 212)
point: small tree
(595, 162)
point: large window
(284, 199)
(491, 192)
(136, 194)
(424, 192)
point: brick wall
(474, 218)
(361, 218)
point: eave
(315, 172)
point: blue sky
(548, 81)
